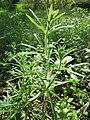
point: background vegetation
(44, 60)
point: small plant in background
(42, 79)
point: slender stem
(44, 107)
(52, 107)
(46, 41)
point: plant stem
(46, 41)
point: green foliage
(44, 80)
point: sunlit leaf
(70, 100)
(50, 12)
(35, 17)
(74, 77)
(55, 28)
(32, 20)
(28, 46)
(57, 63)
(67, 59)
(35, 97)
(57, 17)
(55, 13)
(81, 64)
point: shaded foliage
(82, 5)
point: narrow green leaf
(11, 116)
(35, 97)
(52, 107)
(77, 74)
(61, 84)
(36, 17)
(57, 17)
(70, 52)
(50, 12)
(55, 28)
(27, 53)
(5, 104)
(83, 108)
(32, 20)
(75, 65)
(70, 71)
(40, 42)
(55, 13)
(28, 46)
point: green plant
(35, 74)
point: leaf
(28, 46)
(50, 12)
(35, 97)
(27, 53)
(32, 20)
(70, 100)
(57, 17)
(58, 25)
(5, 104)
(74, 77)
(52, 108)
(60, 84)
(70, 51)
(87, 50)
(12, 115)
(55, 13)
(75, 65)
(55, 28)
(83, 108)
(67, 59)
(36, 17)
(65, 110)
(70, 71)
(57, 63)
(40, 42)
